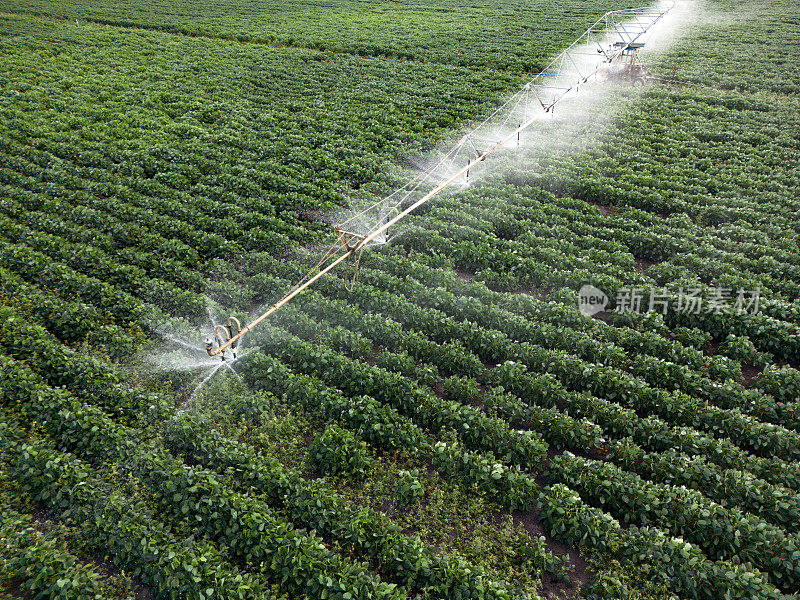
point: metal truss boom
(602, 43)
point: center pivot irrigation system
(607, 51)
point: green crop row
(475, 429)
(555, 427)
(125, 528)
(724, 533)
(376, 423)
(40, 564)
(383, 428)
(649, 543)
(61, 366)
(401, 558)
(654, 371)
(447, 33)
(650, 432)
(763, 467)
(629, 339)
(300, 562)
(690, 573)
(46, 253)
(730, 488)
(434, 325)
(100, 437)
(495, 346)
(510, 494)
(39, 268)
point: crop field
(578, 377)
(511, 34)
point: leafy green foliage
(313, 505)
(131, 179)
(782, 383)
(337, 450)
(444, 32)
(40, 564)
(742, 349)
(409, 488)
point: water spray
(608, 50)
